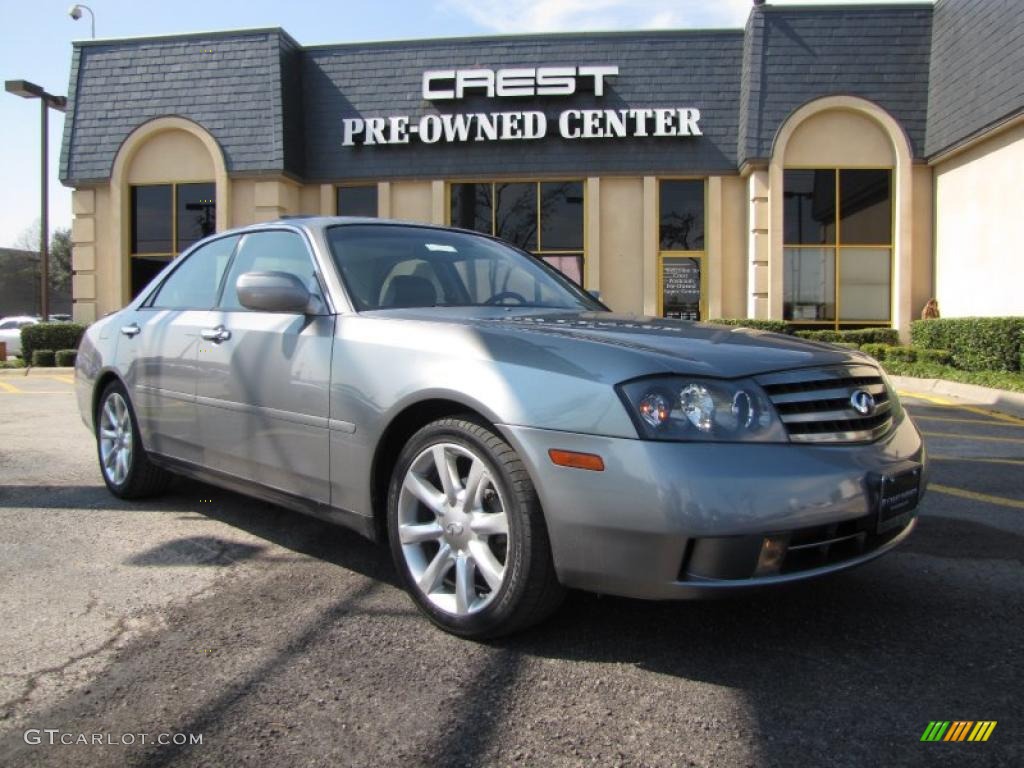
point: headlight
(684, 408)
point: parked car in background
(10, 331)
(505, 432)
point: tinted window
(809, 207)
(561, 216)
(152, 219)
(197, 215)
(865, 209)
(275, 251)
(682, 215)
(358, 201)
(471, 207)
(515, 217)
(194, 284)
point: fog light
(773, 552)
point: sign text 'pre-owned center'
(519, 82)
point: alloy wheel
(453, 528)
(116, 443)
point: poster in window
(680, 287)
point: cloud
(511, 16)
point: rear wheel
(467, 533)
(127, 470)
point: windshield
(387, 267)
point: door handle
(216, 335)
(131, 330)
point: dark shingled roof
(977, 77)
(230, 83)
(793, 55)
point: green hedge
(65, 358)
(50, 336)
(775, 326)
(976, 343)
(43, 358)
(860, 336)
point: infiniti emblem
(454, 529)
(863, 402)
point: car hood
(632, 345)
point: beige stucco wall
(732, 265)
(411, 201)
(978, 255)
(171, 156)
(621, 238)
(839, 137)
(922, 258)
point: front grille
(815, 404)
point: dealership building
(834, 166)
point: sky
(36, 36)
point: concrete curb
(37, 371)
(1011, 403)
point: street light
(28, 90)
(75, 12)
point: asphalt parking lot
(283, 641)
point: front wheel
(126, 468)
(467, 532)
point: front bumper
(664, 515)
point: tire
(480, 567)
(126, 469)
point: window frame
(701, 256)
(838, 323)
(538, 253)
(174, 217)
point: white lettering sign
(521, 126)
(450, 84)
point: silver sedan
(505, 433)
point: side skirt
(361, 524)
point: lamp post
(29, 90)
(75, 12)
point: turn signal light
(576, 460)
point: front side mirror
(275, 292)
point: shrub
(902, 354)
(44, 358)
(775, 326)
(847, 345)
(50, 336)
(859, 336)
(935, 356)
(829, 337)
(975, 343)
(877, 351)
(65, 358)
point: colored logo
(863, 402)
(958, 730)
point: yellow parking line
(978, 459)
(974, 496)
(974, 437)
(62, 379)
(989, 422)
(8, 388)
(941, 401)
